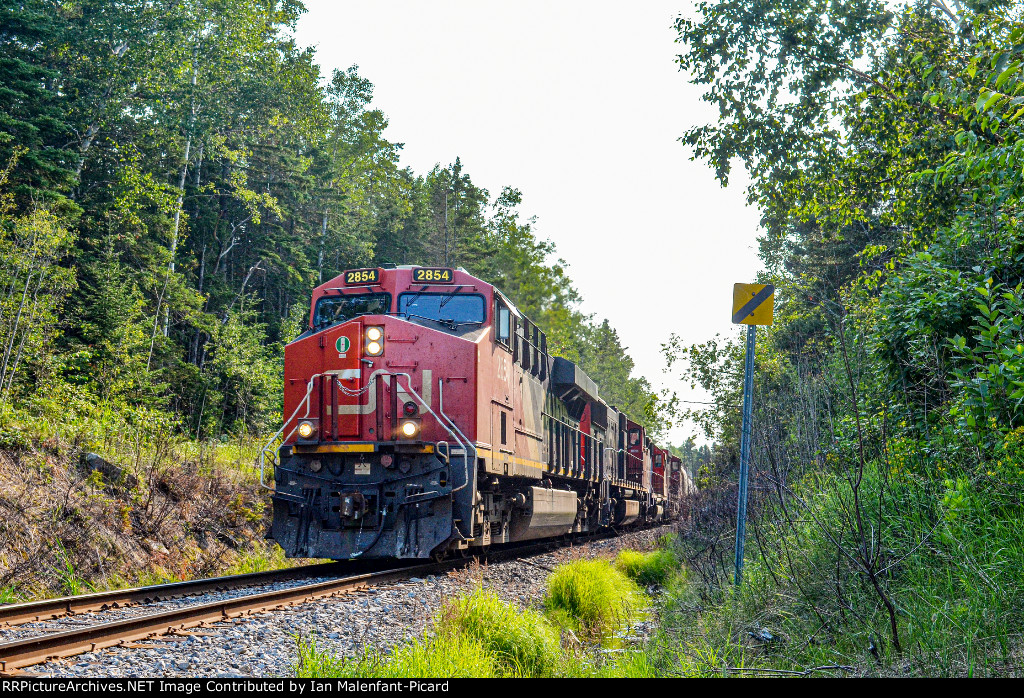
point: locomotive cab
(380, 390)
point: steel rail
(40, 648)
(17, 654)
(51, 609)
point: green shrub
(655, 567)
(522, 642)
(592, 596)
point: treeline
(178, 178)
(884, 142)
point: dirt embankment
(72, 521)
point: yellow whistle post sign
(753, 304)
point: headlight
(306, 430)
(374, 337)
(409, 408)
(409, 428)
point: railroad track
(52, 609)
(24, 652)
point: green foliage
(952, 572)
(70, 579)
(592, 596)
(116, 334)
(883, 142)
(188, 166)
(479, 635)
(990, 373)
(522, 642)
(259, 558)
(250, 378)
(438, 657)
(655, 567)
(33, 115)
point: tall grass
(953, 567)
(592, 596)
(655, 567)
(521, 641)
(476, 635)
(259, 557)
(132, 435)
(455, 656)
(72, 582)
(481, 635)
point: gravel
(378, 618)
(26, 630)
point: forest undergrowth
(109, 497)
(882, 142)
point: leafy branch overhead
(884, 147)
(180, 175)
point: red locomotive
(425, 415)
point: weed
(452, 656)
(241, 510)
(70, 579)
(522, 642)
(592, 596)
(480, 635)
(655, 567)
(259, 558)
(630, 665)
(156, 576)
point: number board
(362, 276)
(433, 275)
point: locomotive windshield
(334, 309)
(448, 309)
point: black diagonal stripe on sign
(751, 305)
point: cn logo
(342, 345)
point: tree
(34, 130)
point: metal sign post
(748, 416)
(752, 305)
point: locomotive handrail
(266, 447)
(467, 446)
(626, 452)
(583, 433)
(447, 450)
(305, 402)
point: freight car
(426, 416)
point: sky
(580, 106)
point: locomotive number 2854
(443, 276)
(362, 276)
